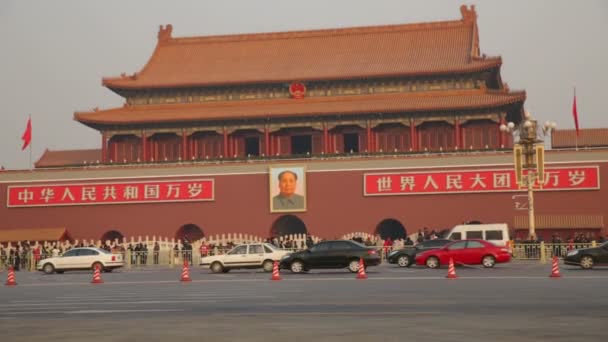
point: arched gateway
(390, 228)
(288, 224)
(112, 235)
(189, 231)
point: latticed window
(479, 134)
(436, 136)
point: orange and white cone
(185, 272)
(361, 274)
(451, 270)
(97, 276)
(275, 271)
(10, 281)
(555, 269)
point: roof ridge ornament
(164, 33)
(468, 14)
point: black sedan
(406, 257)
(331, 254)
(588, 257)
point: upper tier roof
(342, 105)
(361, 52)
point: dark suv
(331, 254)
(407, 256)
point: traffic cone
(451, 270)
(10, 281)
(97, 276)
(275, 271)
(555, 269)
(185, 272)
(361, 274)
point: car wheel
(403, 261)
(216, 267)
(97, 264)
(48, 268)
(296, 266)
(488, 261)
(432, 262)
(586, 262)
(353, 266)
(268, 265)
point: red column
(375, 145)
(191, 147)
(184, 145)
(104, 147)
(333, 145)
(225, 143)
(325, 139)
(413, 136)
(266, 141)
(502, 136)
(144, 147)
(457, 133)
(369, 137)
(277, 146)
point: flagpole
(576, 138)
(30, 166)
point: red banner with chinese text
(110, 193)
(475, 181)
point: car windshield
(273, 247)
(100, 250)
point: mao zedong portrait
(287, 199)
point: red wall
(335, 201)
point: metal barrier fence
(541, 250)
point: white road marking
(139, 302)
(333, 313)
(78, 312)
(150, 298)
(6, 315)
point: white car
(254, 255)
(84, 258)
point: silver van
(496, 233)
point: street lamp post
(529, 159)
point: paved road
(511, 302)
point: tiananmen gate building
(388, 129)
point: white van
(496, 233)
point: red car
(469, 252)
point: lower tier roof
(287, 108)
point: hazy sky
(54, 53)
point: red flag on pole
(575, 113)
(27, 135)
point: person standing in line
(144, 250)
(204, 250)
(17, 263)
(156, 251)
